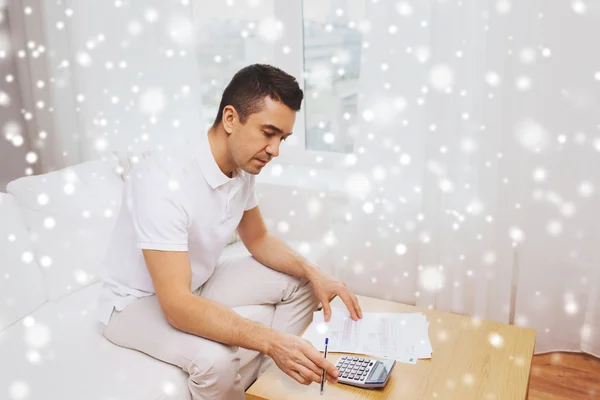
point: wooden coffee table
(471, 359)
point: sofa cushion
(58, 352)
(70, 214)
(21, 281)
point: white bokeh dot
(283, 226)
(134, 28)
(540, 175)
(571, 306)
(527, 55)
(42, 199)
(405, 159)
(441, 77)
(516, 234)
(585, 189)
(489, 257)
(314, 207)
(401, 249)
(531, 135)
(45, 261)
(368, 207)
(173, 185)
(554, 227)
(523, 83)
(357, 185)
(503, 6)
(404, 8)
(37, 335)
(69, 188)
(152, 101)
(27, 257)
(33, 357)
(431, 279)
(19, 390)
(496, 340)
(81, 276)
(151, 15)
(322, 328)
(270, 29)
(579, 7)
(492, 79)
(169, 388)
(379, 173)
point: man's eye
(283, 139)
(269, 135)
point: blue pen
(323, 378)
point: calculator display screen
(379, 372)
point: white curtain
(478, 163)
(477, 155)
(105, 76)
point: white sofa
(54, 230)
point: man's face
(255, 143)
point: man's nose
(273, 149)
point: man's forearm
(212, 320)
(278, 255)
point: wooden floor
(564, 376)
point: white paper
(387, 335)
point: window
(230, 36)
(332, 54)
(317, 41)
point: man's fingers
(308, 374)
(349, 305)
(327, 311)
(356, 305)
(306, 362)
(299, 378)
(321, 362)
(331, 379)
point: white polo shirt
(175, 200)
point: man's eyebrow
(273, 128)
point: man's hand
(299, 359)
(326, 288)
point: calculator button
(370, 363)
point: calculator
(364, 372)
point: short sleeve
(158, 212)
(252, 197)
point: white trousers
(213, 367)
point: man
(163, 292)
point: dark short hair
(249, 86)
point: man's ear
(229, 116)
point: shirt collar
(210, 169)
